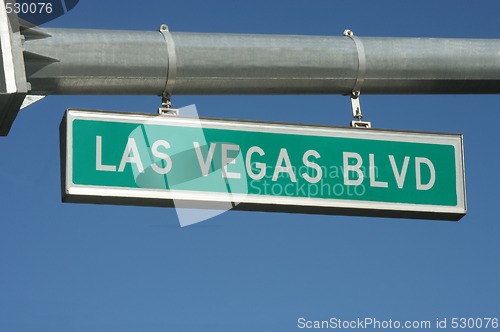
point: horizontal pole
(73, 61)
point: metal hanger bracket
(360, 78)
(356, 112)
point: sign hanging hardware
(356, 112)
(166, 103)
(360, 78)
(166, 109)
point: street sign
(140, 159)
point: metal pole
(38, 61)
(66, 61)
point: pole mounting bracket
(172, 62)
(360, 50)
(360, 78)
(166, 102)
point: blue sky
(69, 267)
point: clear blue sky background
(69, 267)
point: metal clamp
(360, 49)
(172, 62)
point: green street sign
(139, 159)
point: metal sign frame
(153, 197)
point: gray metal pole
(65, 61)
(38, 61)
